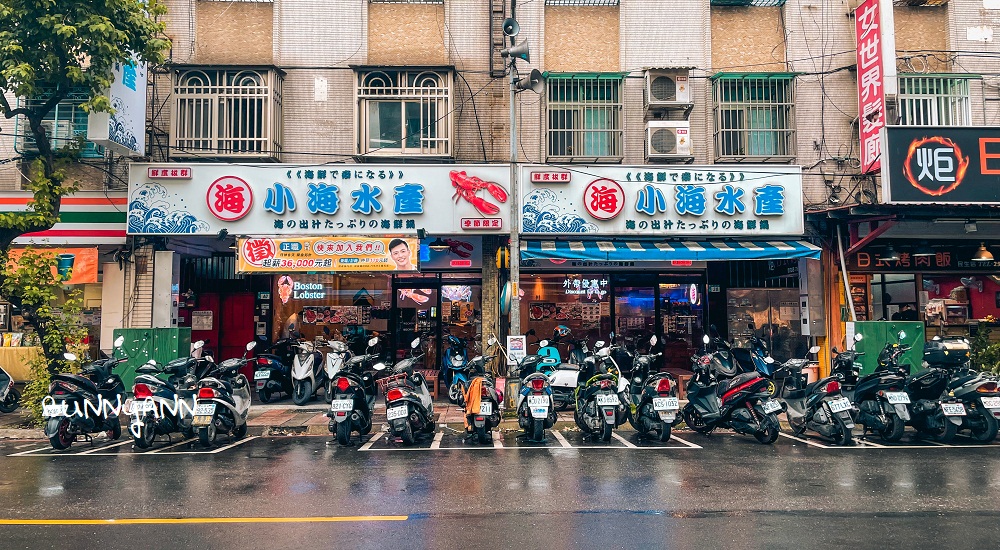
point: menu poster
(541, 310)
(859, 299)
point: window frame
(603, 110)
(430, 90)
(24, 141)
(916, 97)
(227, 112)
(769, 94)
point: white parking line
(25, 453)
(496, 440)
(436, 444)
(24, 445)
(686, 442)
(119, 444)
(371, 441)
(867, 443)
(171, 446)
(562, 440)
(806, 441)
(623, 440)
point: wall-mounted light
(982, 255)
(923, 249)
(890, 254)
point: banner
(74, 266)
(331, 254)
(941, 165)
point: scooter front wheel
(301, 392)
(11, 402)
(456, 393)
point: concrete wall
(233, 33)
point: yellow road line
(181, 521)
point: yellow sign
(333, 254)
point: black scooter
(10, 398)
(408, 405)
(273, 374)
(932, 412)
(482, 419)
(820, 406)
(86, 403)
(654, 397)
(976, 391)
(353, 399)
(742, 403)
(879, 396)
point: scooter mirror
(858, 337)
(543, 343)
(372, 342)
(814, 349)
(119, 341)
(769, 360)
(199, 344)
(379, 366)
(834, 350)
(611, 337)
(415, 343)
(69, 356)
(902, 334)
(652, 340)
(251, 345)
(492, 341)
(706, 339)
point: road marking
(23, 446)
(105, 447)
(25, 453)
(686, 442)
(371, 441)
(436, 444)
(562, 440)
(171, 446)
(623, 440)
(181, 521)
(806, 441)
(496, 440)
(231, 445)
(867, 443)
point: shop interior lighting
(982, 255)
(890, 254)
(923, 249)
(439, 245)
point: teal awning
(597, 250)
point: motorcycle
(308, 372)
(878, 397)
(653, 397)
(336, 358)
(91, 394)
(223, 401)
(409, 409)
(932, 412)
(482, 400)
(729, 361)
(563, 377)
(273, 373)
(456, 369)
(353, 393)
(10, 398)
(742, 403)
(820, 406)
(976, 391)
(535, 405)
(156, 405)
(600, 406)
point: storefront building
(670, 251)
(333, 251)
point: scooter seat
(796, 394)
(568, 366)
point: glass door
(415, 313)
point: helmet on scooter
(561, 331)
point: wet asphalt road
(722, 491)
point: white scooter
(308, 372)
(336, 358)
(9, 397)
(223, 401)
(409, 409)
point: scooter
(535, 406)
(819, 406)
(932, 411)
(223, 401)
(409, 409)
(482, 400)
(653, 397)
(600, 406)
(878, 397)
(742, 403)
(729, 361)
(96, 399)
(10, 398)
(308, 372)
(160, 407)
(353, 393)
(976, 391)
(273, 372)
(563, 377)
(456, 369)
(336, 358)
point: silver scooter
(223, 401)
(308, 372)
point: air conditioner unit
(60, 133)
(667, 87)
(668, 138)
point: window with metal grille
(66, 122)
(934, 101)
(226, 113)
(404, 112)
(754, 117)
(584, 118)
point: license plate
(604, 400)
(262, 375)
(991, 402)
(538, 401)
(396, 412)
(771, 406)
(485, 408)
(953, 409)
(894, 397)
(139, 407)
(59, 409)
(539, 412)
(839, 405)
(665, 403)
(204, 409)
(345, 405)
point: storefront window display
(580, 302)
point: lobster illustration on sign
(467, 186)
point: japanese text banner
(331, 254)
(660, 201)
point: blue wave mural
(542, 214)
(150, 213)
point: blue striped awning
(665, 251)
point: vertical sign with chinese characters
(124, 132)
(871, 95)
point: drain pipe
(843, 270)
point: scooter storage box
(946, 352)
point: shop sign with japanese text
(871, 96)
(941, 164)
(661, 201)
(947, 258)
(351, 199)
(340, 254)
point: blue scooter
(455, 362)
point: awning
(665, 251)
